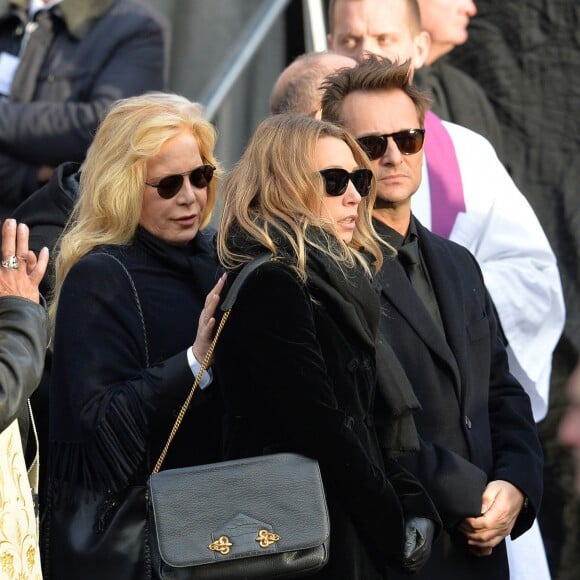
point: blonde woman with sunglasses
(297, 358)
(135, 273)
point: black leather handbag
(259, 517)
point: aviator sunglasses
(336, 180)
(169, 186)
(408, 142)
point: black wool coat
(298, 376)
(120, 375)
(476, 422)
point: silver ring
(11, 263)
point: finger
(491, 543)
(486, 539)
(220, 283)
(211, 306)
(470, 525)
(216, 290)
(30, 262)
(22, 234)
(40, 269)
(8, 238)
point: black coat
(296, 363)
(120, 375)
(476, 422)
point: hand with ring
(20, 271)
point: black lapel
(447, 285)
(395, 286)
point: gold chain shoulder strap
(185, 405)
(227, 308)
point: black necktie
(409, 258)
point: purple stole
(445, 185)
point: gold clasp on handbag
(221, 545)
(266, 538)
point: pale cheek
(154, 216)
(202, 200)
(331, 208)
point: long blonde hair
(274, 192)
(113, 174)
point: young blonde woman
(135, 266)
(297, 358)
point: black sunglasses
(171, 185)
(409, 142)
(336, 180)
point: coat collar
(395, 286)
(78, 15)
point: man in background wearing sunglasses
(480, 457)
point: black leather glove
(419, 534)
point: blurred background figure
(569, 430)
(62, 64)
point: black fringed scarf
(350, 292)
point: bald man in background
(297, 89)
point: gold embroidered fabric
(19, 554)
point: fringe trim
(109, 459)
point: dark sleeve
(454, 484)
(48, 133)
(517, 452)
(100, 380)
(24, 336)
(271, 339)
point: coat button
(467, 422)
(352, 365)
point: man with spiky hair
(480, 458)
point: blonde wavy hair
(113, 174)
(275, 192)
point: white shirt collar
(35, 5)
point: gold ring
(11, 263)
